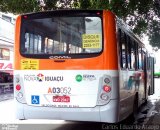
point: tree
(26, 6)
(19, 6)
(142, 15)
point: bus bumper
(107, 113)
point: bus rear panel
(65, 68)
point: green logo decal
(79, 78)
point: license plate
(61, 99)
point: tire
(135, 108)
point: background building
(7, 22)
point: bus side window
(129, 52)
(143, 56)
(148, 63)
(132, 54)
(140, 57)
(123, 49)
(136, 55)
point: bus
(80, 65)
(157, 74)
(6, 55)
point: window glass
(4, 54)
(140, 57)
(123, 55)
(5, 77)
(129, 52)
(7, 18)
(132, 54)
(143, 56)
(148, 63)
(136, 55)
(32, 43)
(62, 35)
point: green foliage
(142, 15)
(155, 33)
(19, 6)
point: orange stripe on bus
(17, 57)
(110, 42)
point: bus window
(67, 35)
(32, 43)
(132, 55)
(140, 57)
(136, 55)
(143, 56)
(123, 49)
(129, 52)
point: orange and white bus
(82, 65)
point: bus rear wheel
(135, 108)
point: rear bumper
(107, 113)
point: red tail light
(106, 88)
(25, 16)
(18, 87)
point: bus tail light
(20, 95)
(107, 80)
(18, 87)
(104, 96)
(105, 90)
(17, 80)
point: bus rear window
(62, 36)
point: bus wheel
(135, 108)
(146, 97)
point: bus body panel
(77, 88)
(134, 83)
(107, 113)
(129, 86)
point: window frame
(2, 56)
(72, 13)
(135, 45)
